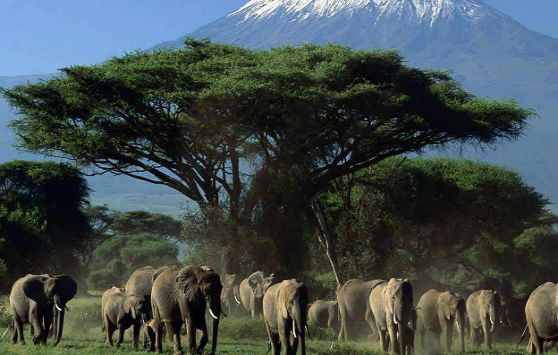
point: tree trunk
(325, 238)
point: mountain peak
(415, 11)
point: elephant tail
(522, 336)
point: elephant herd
(166, 299)
(388, 311)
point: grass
(237, 336)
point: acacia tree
(188, 118)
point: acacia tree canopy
(188, 118)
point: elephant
(181, 296)
(424, 284)
(38, 300)
(437, 312)
(252, 290)
(505, 292)
(325, 314)
(122, 311)
(391, 304)
(284, 311)
(230, 296)
(140, 284)
(541, 312)
(483, 307)
(354, 306)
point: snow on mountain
(417, 10)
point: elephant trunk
(493, 317)
(401, 330)
(460, 321)
(214, 307)
(60, 325)
(299, 325)
(214, 335)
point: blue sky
(39, 36)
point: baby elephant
(325, 314)
(121, 311)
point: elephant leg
(369, 318)
(111, 328)
(203, 339)
(173, 330)
(36, 323)
(487, 334)
(273, 341)
(159, 338)
(121, 331)
(275, 345)
(448, 333)
(392, 339)
(284, 335)
(383, 340)
(294, 344)
(135, 334)
(191, 336)
(341, 335)
(18, 331)
(422, 333)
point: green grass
(237, 336)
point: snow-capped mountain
(416, 11)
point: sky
(40, 36)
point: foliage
(432, 216)
(189, 119)
(42, 222)
(116, 258)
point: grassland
(237, 336)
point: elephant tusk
(236, 299)
(458, 327)
(491, 321)
(58, 307)
(212, 314)
(395, 319)
(6, 332)
(503, 325)
(294, 329)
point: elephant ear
(66, 288)
(34, 289)
(282, 301)
(227, 281)
(444, 305)
(130, 306)
(255, 279)
(188, 280)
